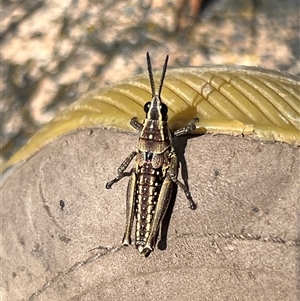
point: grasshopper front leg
(187, 129)
(121, 170)
(135, 124)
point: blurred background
(53, 52)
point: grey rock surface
(242, 243)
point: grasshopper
(154, 173)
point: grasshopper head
(156, 109)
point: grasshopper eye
(163, 109)
(147, 107)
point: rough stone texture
(242, 243)
(54, 51)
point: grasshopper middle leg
(121, 170)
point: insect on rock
(154, 173)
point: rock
(242, 242)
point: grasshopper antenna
(150, 74)
(163, 75)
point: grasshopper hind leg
(130, 210)
(146, 250)
(161, 208)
